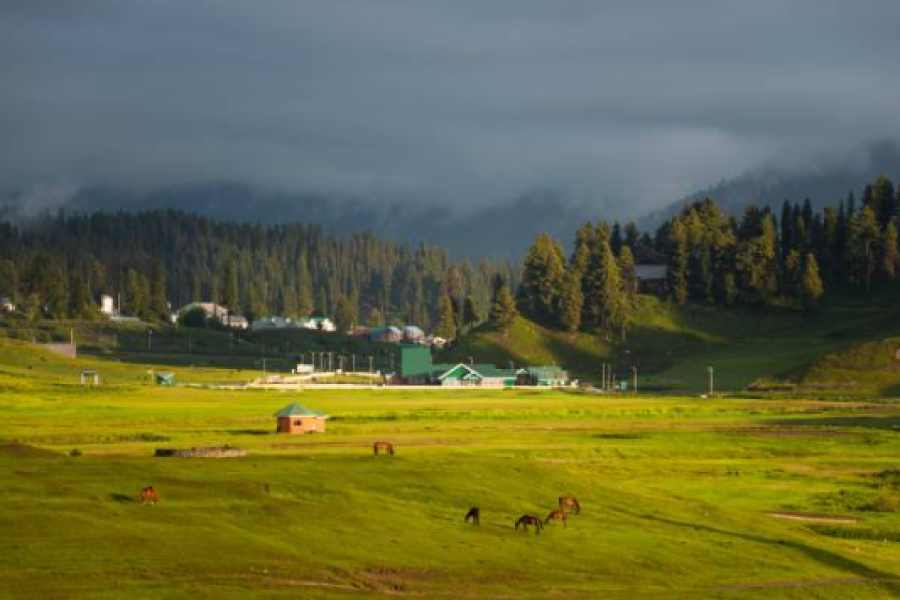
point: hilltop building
(650, 279)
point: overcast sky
(628, 103)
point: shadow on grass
(825, 557)
(249, 431)
(122, 498)
(888, 423)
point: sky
(625, 105)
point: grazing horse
(569, 502)
(526, 520)
(557, 515)
(474, 514)
(149, 494)
(386, 447)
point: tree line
(57, 266)
(758, 259)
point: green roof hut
(293, 419)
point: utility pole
(634, 372)
(711, 376)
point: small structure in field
(295, 420)
(88, 377)
(165, 379)
(206, 452)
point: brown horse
(385, 447)
(474, 514)
(557, 515)
(149, 494)
(569, 502)
(526, 520)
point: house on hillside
(293, 419)
(107, 305)
(650, 279)
(236, 322)
(413, 335)
(317, 323)
(7, 305)
(389, 334)
(267, 323)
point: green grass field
(677, 493)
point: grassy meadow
(677, 492)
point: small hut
(295, 420)
(165, 379)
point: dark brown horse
(474, 514)
(526, 520)
(384, 447)
(570, 503)
(557, 515)
(149, 494)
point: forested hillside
(712, 258)
(58, 266)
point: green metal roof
(295, 410)
(415, 361)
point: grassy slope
(672, 346)
(173, 347)
(673, 491)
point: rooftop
(295, 410)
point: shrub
(885, 501)
(75, 452)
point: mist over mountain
(503, 229)
(824, 181)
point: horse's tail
(391, 449)
(577, 506)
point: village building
(417, 368)
(650, 279)
(413, 335)
(108, 305)
(236, 322)
(293, 419)
(317, 323)
(389, 334)
(7, 305)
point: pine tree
(503, 309)
(469, 314)
(811, 288)
(613, 303)
(793, 273)
(79, 302)
(136, 297)
(157, 298)
(446, 327)
(679, 257)
(376, 319)
(542, 277)
(890, 253)
(863, 247)
(344, 315)
(230, 293)
(571, 301)
(9, 280)
(628, 272)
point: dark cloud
(623, 104)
